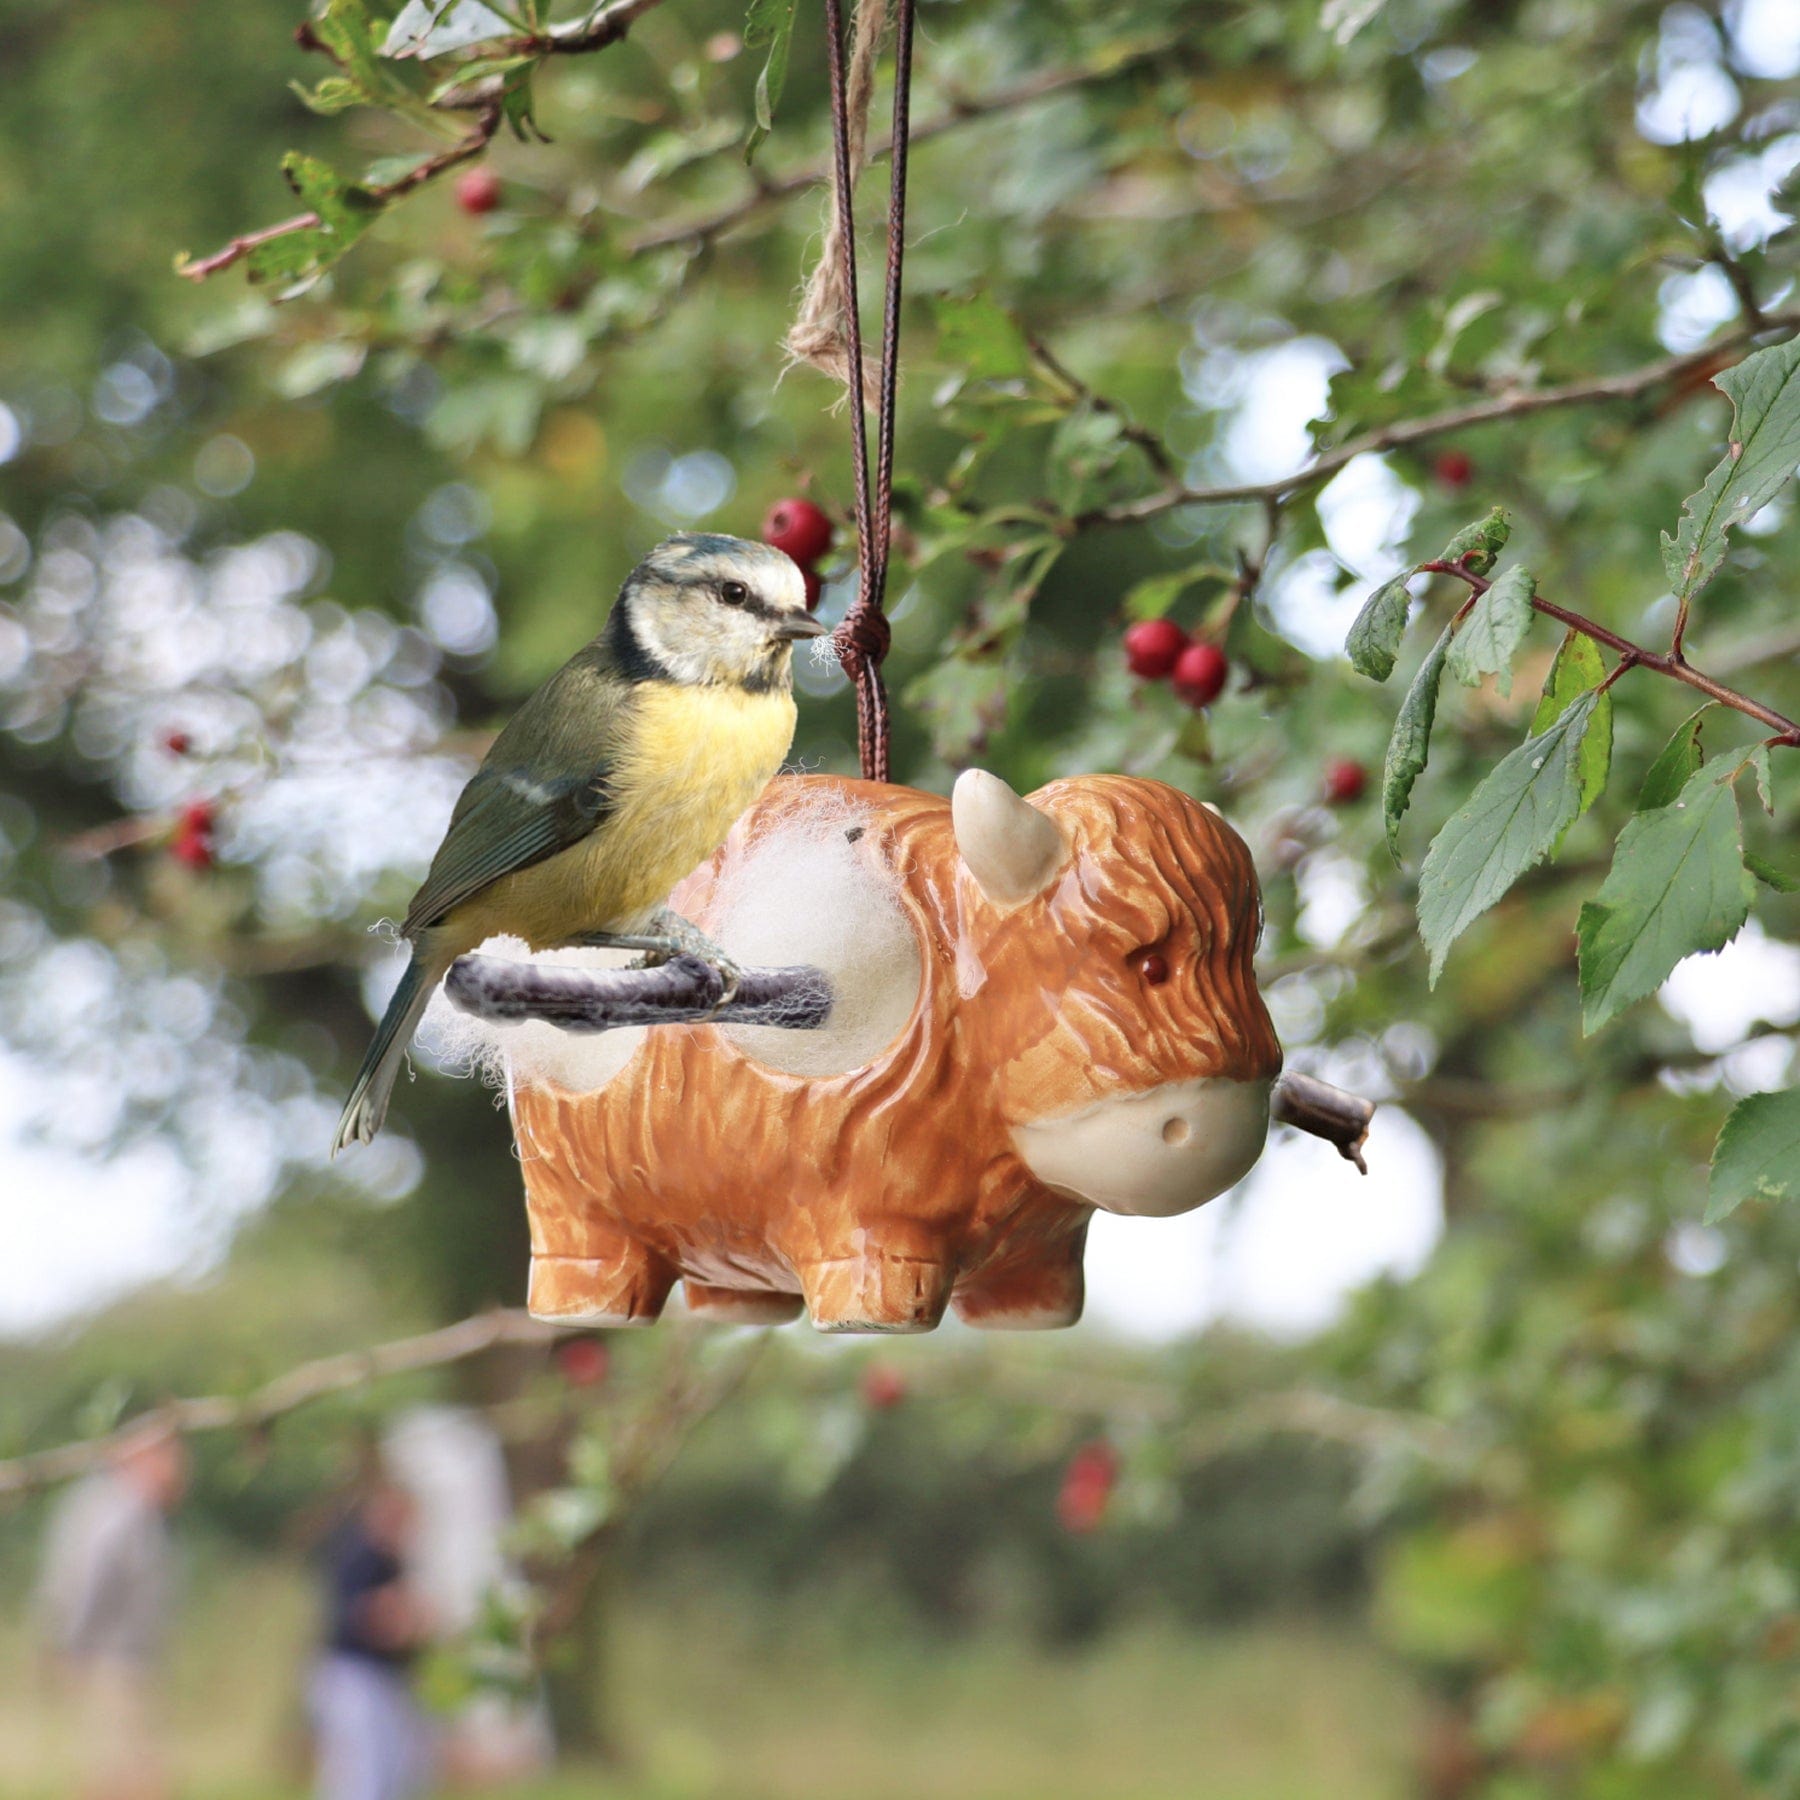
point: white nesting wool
(810, 892)
(807, 892)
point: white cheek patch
(804, 893)
(1152, 1154)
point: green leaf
(770, 22)
(1677, 885)
(427, 28)
(964, 702)
(1771, 874)
(1579, 669)
(1676, 764)
(1492, 633)
(1477, 546)
(1764, 450)
(1512, 821)
(1086, 450)
(1152, 597)
(1757, 1156)
(978, 334)
(1374, 639)
(1409, 748)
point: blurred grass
(719, 1706)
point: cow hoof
(876, 1292)
(740, 1306)
(1045, 1297)
(628, 1289)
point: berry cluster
(1159, 648)
(802, 531)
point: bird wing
(546, 784)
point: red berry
(583, 1362)
(799, 528)
(177, 743)
(1453, 468)
(1199, 674)
(1345, 781)
(815, 586)
(1087, 1487)
(1152, 647)
(883, 1386)
(192, 843)
(477, 191)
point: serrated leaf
(1676, 764)
(1477, 546)
(428, 28)
(1409, 748)
(770, 22)
(964, 702)
(1771, 874)
(1757, 1156)
(1374, 639)
(1512, 821)
(1579, 669)
(1764, 390)
(1492, 633)
(1677, 885)
(977, 333)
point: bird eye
(1152, 966)
(733, 593)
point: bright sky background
(1304, 1230)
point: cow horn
(1011, 847)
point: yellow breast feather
(694, 759)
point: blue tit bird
(619, 775)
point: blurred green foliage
(331, 538)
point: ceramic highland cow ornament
(1040, 1007)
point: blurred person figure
(451, 1461)
(372, 1740)
(105, 1603)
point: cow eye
(1152, 966)
(733, 593)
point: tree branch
(772, 190)
(487, 123)
(1403, 433)
(1676, 667)
(286, 1393)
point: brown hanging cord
(863, 637)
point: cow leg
(614, 1281)
(739, 1306)
(890, 1278)
(1036, 1292)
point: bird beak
(800, 625)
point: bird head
(705, 610)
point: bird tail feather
(368, 1103)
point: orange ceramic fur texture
(879, 1196)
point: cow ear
(1011, 847)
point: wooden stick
(683, 991)
(1315, 1106)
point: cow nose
(1176, 1130)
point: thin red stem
(1677, 668)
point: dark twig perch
(684, 991)
(687, 991)
(1309, 1104)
